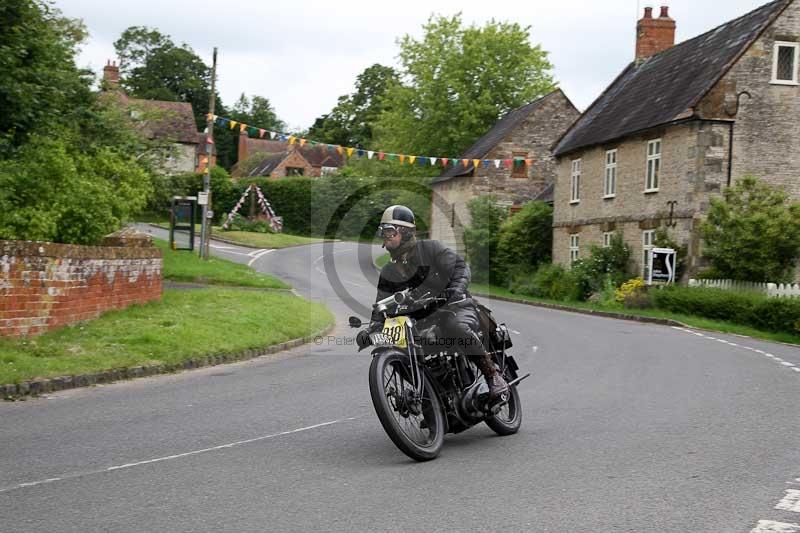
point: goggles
(388, 231)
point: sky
(304, 55)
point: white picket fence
(787, 290)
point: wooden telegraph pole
(205, 231)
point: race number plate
(395, 330)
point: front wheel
(508, 420)
(415, 425)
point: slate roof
(172, 121)
(492, 138)
(315, 155)
(270, 162)
(667, 86)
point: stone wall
(44, 286)
(694, 165)
(533, 139)
(767, 131)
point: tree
(753, 233)
(257, 112)
(457, 83)
(481, 238)
(525, 240)
(135, 46)
(72, 167)
(40, 87)
(352, 121)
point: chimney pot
(654, 35)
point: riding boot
(497, 385)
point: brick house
(527, 132)
(677, 126)
(280, 159)
(172, 122)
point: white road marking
(259, 255)
(791, 366)
(770, 526)
(176, 456)
(790, 502)
(515, 332)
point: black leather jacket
(428, 267)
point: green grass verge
(689, 320)
(264, 240)
(185, 324)
(251, 238)
(187, 267)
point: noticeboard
(662, 266)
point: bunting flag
(421, 160)
(275, 222)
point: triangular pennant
(422, 160)
(518, 161)
(292, 138)
(242, 127)
(476, 163)
(445, 160)
(486, 163)
(350, 151)
(272, 134)
(360, 152)
(232, 124)
(261, 133)
(508, 163)
(433, 161)
(465, 162)
(340, 150)
(497, 163)
(529, 162)
(402, 158)
(370, 153)
(209, 140)
(381, 156)
(411, 159)
(210, 117)
(392, 157)
(302, 142)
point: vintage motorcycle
(423, 387)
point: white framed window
(608, 236)
(653, 165)
(574, 247)
(784, 63)
(610, 182)
(575, 188)
(648, 243)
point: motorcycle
(422, 387)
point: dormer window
(784, 63)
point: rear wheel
(508, 419)
(415, 425)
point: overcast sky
(303, 55)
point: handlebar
(407, 299)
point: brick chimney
(242, 146)
(111, 76)
(654, 35)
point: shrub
(525, 240)
(549, 281)
(628, 288)
(753, 232)
(749, 309)
(482, 237)
(603, 266)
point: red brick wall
(44, 285)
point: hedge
(747, 309)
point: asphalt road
(627, 427)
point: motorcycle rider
(427, 266)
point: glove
(362, 339)
(452, 294)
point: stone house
(676, 127)
(172, 122)
(526, 133)
(280, 159)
